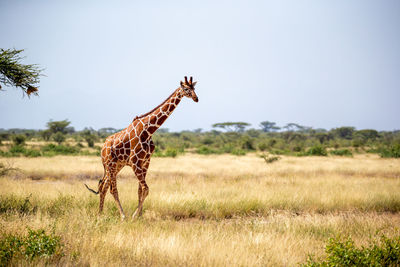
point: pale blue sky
(323, 64)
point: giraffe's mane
(151, 111)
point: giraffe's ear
(194, 84)
(181, 83)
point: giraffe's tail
(91, 190)
(101, 183)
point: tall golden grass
(206, 210)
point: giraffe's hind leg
(103, 191)
(114, 191)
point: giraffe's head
(188, 89)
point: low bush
(238, 152)
(169, 152)
(316, 151)
(4, 170)
(205, 150)
(34, 245)
(383, 252)
(269, 159)
(17, 149)
(341, 152)
(390, 152)
(19, 139)
(52, 149)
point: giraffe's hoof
(136, 214)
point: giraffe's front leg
(136, 214)
(142, 192)
(143, 189)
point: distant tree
(253, 133)
(269, 126)
(163, 130)
(58, 126)
(109, 130)
(344, 132)
(232, 126)
(13, 73)
(89, 136)
(367, 134)
(104, 132)
(45, 134)
(323, 137)
(297, 127)
(19, 139)
(59, 137)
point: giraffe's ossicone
(133, 147)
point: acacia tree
(59, 126)
(232, 126)
(269, 126)
(15, 74)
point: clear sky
(323, 64)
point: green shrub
(170, 152)
(238, 152)
(5, 154)
(35, 244)
(247, 143)
(39, 244)
(9, 247)
(19, 139)
(205, 150)
(390, 152)
(17, 149)
(385, 252)
(51, 150)
(341, 152)
(262, 146)
(90, 139)
(316, 151)
(270, 159)
(32, 153)
(59, 137)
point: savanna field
(202, 210)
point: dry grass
(207, 210)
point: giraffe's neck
(155, 118)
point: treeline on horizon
(227, 137)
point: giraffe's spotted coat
(133, 147)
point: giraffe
(133, 146)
